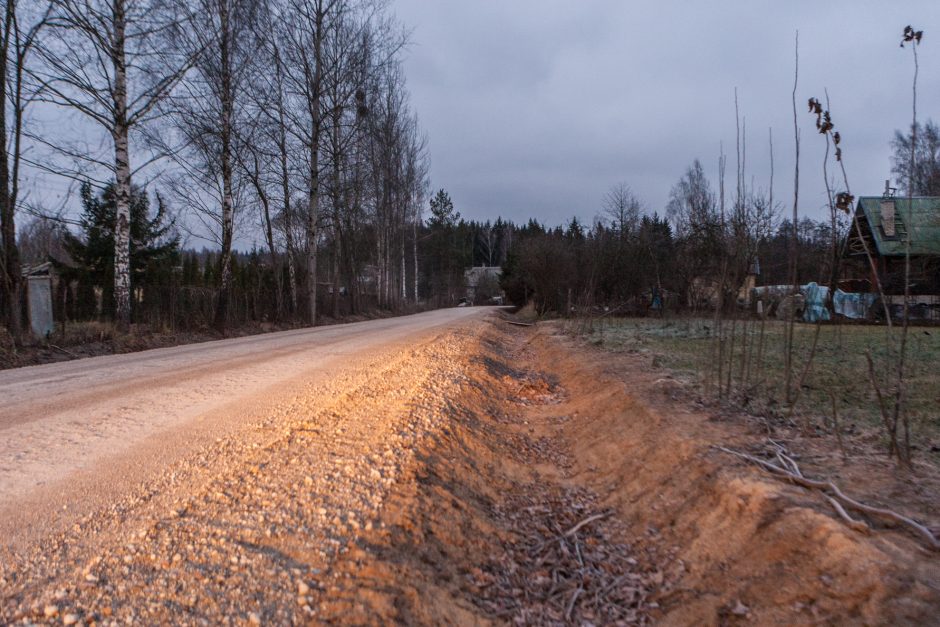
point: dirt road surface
(77, 434)
(445, 468)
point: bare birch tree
(205, 111)
(622, 207)
(109, 61)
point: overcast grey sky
(534, 108)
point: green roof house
(886, 223)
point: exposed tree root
(837, 497)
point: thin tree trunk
(788, 344)
(414, 250)
(378, 268)
(269, 238)
(338, 196)
(312, 201)
(336, 281)
(387, 250)
(122, 172)
(10, 262)
(313, 193)
(899, 410)
(285, 185)
(404, 283)
(228, 210)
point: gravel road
(79, 434)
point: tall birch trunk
(122, 173)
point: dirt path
(486, 474)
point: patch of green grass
(686, 345)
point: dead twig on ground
(59, 348)
(586, 521)
(574, 597)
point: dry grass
(528, 313)
(75, 333)
(685, 346)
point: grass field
(685, 345)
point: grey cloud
(534, 108)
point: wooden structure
(886, 223)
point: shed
(39, 296)
(483, 284)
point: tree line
(177, 288)
(633, 258)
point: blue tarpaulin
(815, 308)
(852, 305)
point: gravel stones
(214, 536)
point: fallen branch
(828, 486)
(520, 324)
(59, 348)
(586, 521)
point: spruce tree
(154, 245)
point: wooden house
(884, 225)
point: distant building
(885, 223)
(39, 286)
(483, 284)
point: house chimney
(887, 218)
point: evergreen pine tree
(154, 246)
